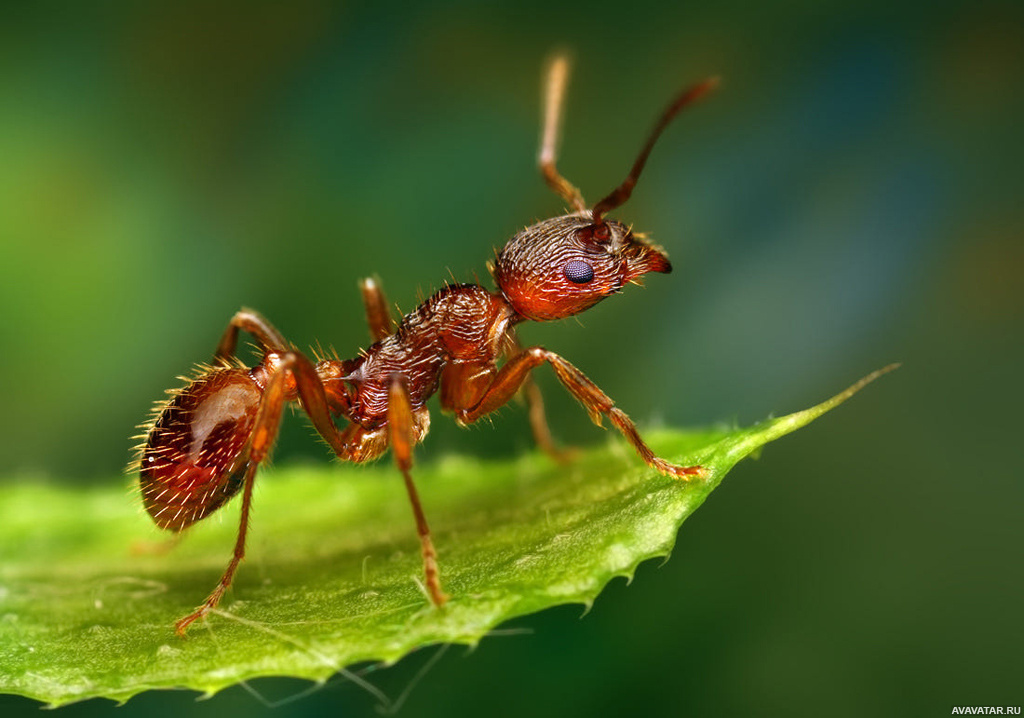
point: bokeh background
(851, 197)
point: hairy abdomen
(195, 455)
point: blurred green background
(852, 196)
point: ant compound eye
(578, 271)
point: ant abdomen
(196, 453)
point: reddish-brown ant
(207, 442)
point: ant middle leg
(403, 436)
(515, 371)
(535, 409)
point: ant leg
(512, 375)
(402, 436)
(181, 626)
(314, 402)
(289, 373)
(310, 388)
(261, 440)
(307, 382)
(378, 316)
(251, 321)
(539, 422)
(535, 410)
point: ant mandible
(207, 441)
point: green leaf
(331, 576)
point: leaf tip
(854, 388)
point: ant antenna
(620, 194)
(554, 92)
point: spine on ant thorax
(461, 323)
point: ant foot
(181, 626)
(432, 573)
(684, 473)
(437, 596)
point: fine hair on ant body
(208, 440)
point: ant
(206, 443)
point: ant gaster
(207, 441)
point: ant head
(564, 265)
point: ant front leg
(535, 409)
(516, 370)
(402, 434)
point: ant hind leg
(249, 320)
(261, 441)
(292, 374)
(261, 438)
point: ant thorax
(562, 266)
(459, 324)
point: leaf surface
(331, 575)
